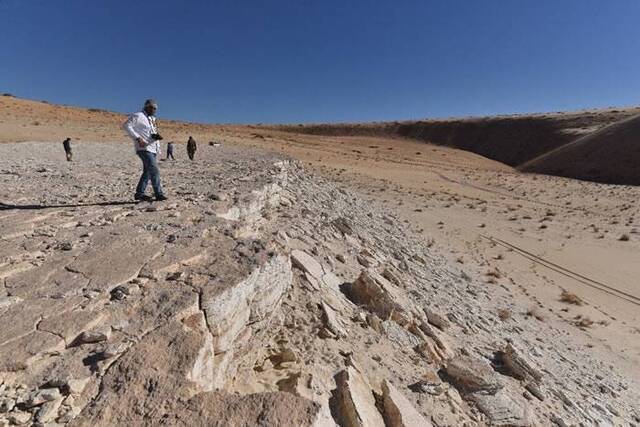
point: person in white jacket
(141, 127)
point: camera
(156, 137)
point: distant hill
(610, 155)
(28, 120)
(513, 140)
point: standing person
(191, 147)
(170, 151)
(141, 127)
(67, 148)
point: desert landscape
(472, 271)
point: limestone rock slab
(228, 310)
(398, 411)
(127, 253)
(354, 400)
(307, 264)
(378, 295)
(471, 374)
(69, 325)
(132, 391)
(503, 409)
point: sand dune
(610, 155)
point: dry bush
(624, 238)
(584, 322)
(569, 298)
(504, 314)
(494, 273)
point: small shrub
(494, 273)
(504, 314)
(624, 238)
(569, 298)
(584, 322)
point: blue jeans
(151, 172)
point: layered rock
(262, 295)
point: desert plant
(504, 314)
(569, 298)
(584, 322)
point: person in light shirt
(141, 128)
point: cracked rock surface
(258, 294)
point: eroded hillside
(513, 140)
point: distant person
(67, 148)
(170, 151)
(141, 127)
(191, 147)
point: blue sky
(291, 61)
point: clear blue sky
(251, 61)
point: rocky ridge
(262, 295)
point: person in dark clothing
(170, 151)
(191, 147)
(67, 148)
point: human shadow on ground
(8, 207)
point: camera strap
(152, 122)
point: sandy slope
(611, 155)
(555, 234)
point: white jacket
(139, 125)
